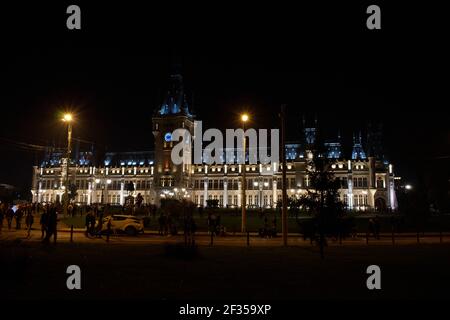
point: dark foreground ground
(165, 272)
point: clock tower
(172, 114)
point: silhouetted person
(9, 217)
(100, 225)
(172, 228)
(161, 222)
(52, 224)
(44, 222)
(87, 222)
(90, 223)
(19, 215)
(29, 220)
(190, 227)
(212, 223)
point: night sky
(112, 74)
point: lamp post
(244, 119)
(67, 118)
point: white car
(123, 223)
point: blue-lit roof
(55, 159)
(138, 158)
(175, 100)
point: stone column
(350, 185)
(239, 193)
(205, 192)
(225, 193)
(274, 192)
(122, 187)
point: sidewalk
(384, 236)
(290, 234)
(205, 240)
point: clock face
(168, 137)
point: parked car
(131, 225)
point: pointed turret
(358, 151)
(174, 101)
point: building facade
(366, 178)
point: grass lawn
(232, 223)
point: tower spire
(358, 151)
(175, 101)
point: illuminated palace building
(367, 179)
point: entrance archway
(380, 204)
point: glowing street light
(244, 119)
(67, 118)
(408, 187)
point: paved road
(232, 240)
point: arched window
(380, 183)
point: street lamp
(67, 118)
(244, 119)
